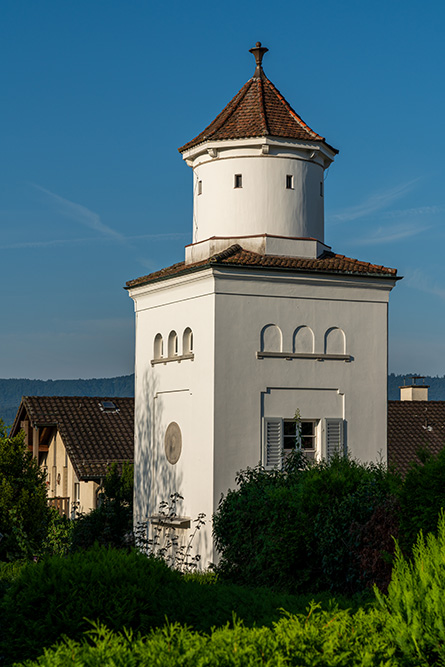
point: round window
(173, 443)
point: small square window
(199, 187)
(238, 181)
(289, 182)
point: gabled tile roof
(413, 425)
(93, 437)
(257, 110)
(236, 256)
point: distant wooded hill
(11, 391)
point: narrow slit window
(289, 182)
(238, 181)
(321, 188)
(199, 187)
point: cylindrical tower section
(249, 191)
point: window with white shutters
(273, 442)
(333, 438)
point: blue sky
(98, 94)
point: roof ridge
(262, 105)
(292, 112)
(224, 254)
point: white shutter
(273, 442)
(333, 438)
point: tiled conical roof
(257, 110)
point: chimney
(414, 391)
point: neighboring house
(75, 439)
(414, 423)
(261, 319)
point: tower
(260, 320)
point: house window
(199, 187)
(158, 347)
(187, 341)
(238, 181)
(289, 182)
(172, 344)
(304, 438)
(318, 438)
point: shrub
(421, 498)
(54, 597)
(24, 513)
(59, 534)
(317, 638)
(111, 523)
(415, 600)
(306, 527)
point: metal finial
(258, 51)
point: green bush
(24, 513)
(308, 527)
(55, 596)
(421, 498)
(111, 524)
(415, 600)
(315, 639)
(58, 538)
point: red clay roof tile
(237, 256)
(257, 110)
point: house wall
(248, 389)
(221, 397)
(179, 392)
(62, 477)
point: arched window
(335, 341)
(303, 340)
(158, 347)
(172, 344)
(187, 341)
(271, 338)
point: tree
(111, 524)
(24, 511)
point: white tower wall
(263, 205)
(281, 192)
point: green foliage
(9, 572)
(415, 599)
(315, 639)
(306, 527)
(53, 597)
(422, 497)
(24, 512)
(58, 538)
(111, 523)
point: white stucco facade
(222, 395)
(274, 323)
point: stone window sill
(301, 355)
(176, 357)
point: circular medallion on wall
(173, 443)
